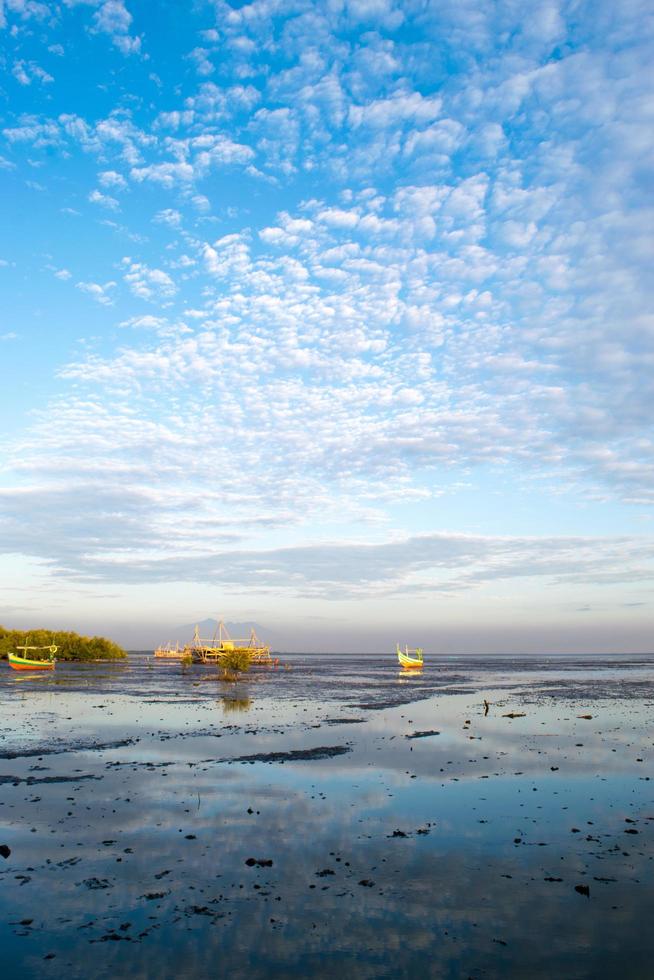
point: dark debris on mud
(294, 755)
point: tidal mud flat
(333, 819)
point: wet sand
(333, 819)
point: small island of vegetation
(70, 646)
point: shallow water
(131, 797)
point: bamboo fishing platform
(212, 651)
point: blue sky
(336, 316)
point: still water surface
(410, 833)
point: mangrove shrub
(235, 662)
(70, 646)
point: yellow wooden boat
(410, 659)
(19, 662)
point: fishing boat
(410, 659)
(25, 662)
(169, 652)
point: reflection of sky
(439, 900)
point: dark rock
(5, 851)
(583, 890)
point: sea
(330, 817)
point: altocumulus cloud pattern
(333, 300)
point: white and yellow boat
(27, 662)
(410, 659)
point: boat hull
(408, 663)
(24, 663)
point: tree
(235, 662)
(70, 646)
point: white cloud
(113, 18)
(104, 200)
(399, 108)
(203, 65)
(201, 203)
(174, 119)
(386, 13)
(337, 218)
(110, 178)
(39, 133)
(25, 72)
(229, 254)
(26, 10)
(153, 285)
(146, 322)
(443, 137)
(100, 293)
(166, 174)
(169, 216)
(126, 44)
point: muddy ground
(335, 817)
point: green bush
(70, 646)
(236, 661)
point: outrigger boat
(33, 663)
(169, 652)
(410, 659)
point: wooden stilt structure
(213, 650)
